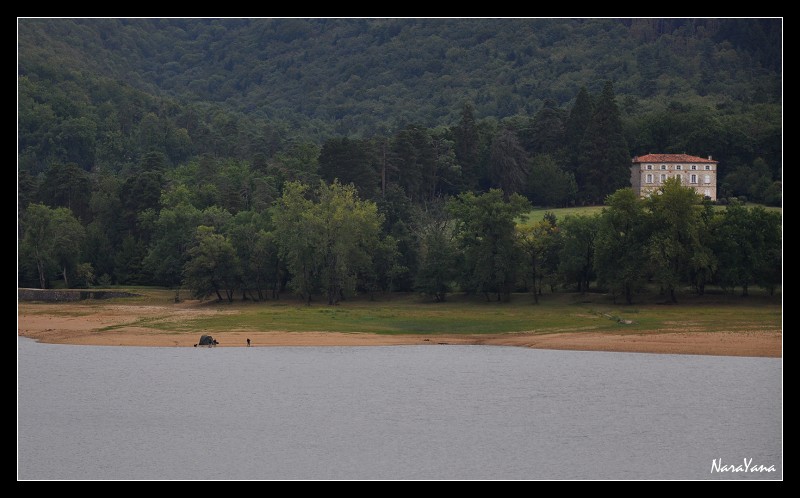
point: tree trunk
(744, 289)
(628, 295)
(40, 267)
(66, 282)
(219, 296)
(383, 172)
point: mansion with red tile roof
(649, 172)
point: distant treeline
(105, 93)
(174, 152)
(361, 77)
(325, 241)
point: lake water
(405, 412)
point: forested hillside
(361, 76)
(142, 134)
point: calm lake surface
(404, 412)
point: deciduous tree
(326, 241)
(212, 265)
(485, 230)
(576, 257)
(621, 260)
(52, 238)
(535, 241)
(675, 212)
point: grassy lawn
(752, 205)
(537, 214)
(410, 314)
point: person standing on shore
(248, 342)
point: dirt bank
(51, 323)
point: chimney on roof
(709, 157)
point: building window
(708, 168)
(649, 178)
(694, 178)
(694, 167)
(663, 178)
(649, 166)
(678, 167)
(679, 178)
(708, 193)
(707, 179)
(663, 166)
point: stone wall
(58, 295)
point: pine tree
(508, 164)
(575, 127)
(604, 160)
(547, 129)
(467, 142)
(349, 161)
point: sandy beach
(48, 323)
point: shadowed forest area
(329, 157)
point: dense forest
(333, 156)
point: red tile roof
(671, 158)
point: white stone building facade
(649, 172)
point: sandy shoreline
(48, 325)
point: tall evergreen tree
(604, 160)
(549, 184)
(575, 126)
(467, 147)
(412, 163)
(547, 129)
(69, 186)
(508, 163)
(349, 161)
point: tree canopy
(343, 156)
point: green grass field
(411, 314)
(537, 214)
